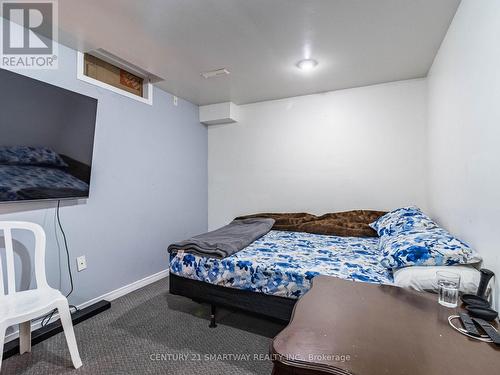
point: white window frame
(147, 89)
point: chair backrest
(6, 228)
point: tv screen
(46, 140)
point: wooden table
(346, 327)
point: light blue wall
(148, 189)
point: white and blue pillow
(28, 155)
(434, 247)
(408, 237)
(401, 220)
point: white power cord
(484, 338)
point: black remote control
(468, 324)
(486, 276)
(488, 328)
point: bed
(269, 272)
(25, 182)
(36, 172)
(269, 275)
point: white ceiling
(356, 42)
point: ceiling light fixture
(307, 64)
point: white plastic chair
(20, 307)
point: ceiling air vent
(215, 73)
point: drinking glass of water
(448, 284)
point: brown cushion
(346, 224)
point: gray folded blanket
(225, 241)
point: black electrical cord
(46, 319)
(66, 248)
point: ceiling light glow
(307, 64)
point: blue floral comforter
(283, 263)
(14, 178)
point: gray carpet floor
(151, 331)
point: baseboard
(110, 296)
(120, 292)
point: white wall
(361, 148)
(464, 129)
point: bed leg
(212, 316)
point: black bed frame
(276, 308)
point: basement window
(107, 71)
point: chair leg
(25, 337)
(2, 339)
(67, 324)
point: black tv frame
(55, 199)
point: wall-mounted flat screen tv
(46, 140)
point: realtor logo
(28, 34)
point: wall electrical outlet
(176, 101)
(81, 263)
